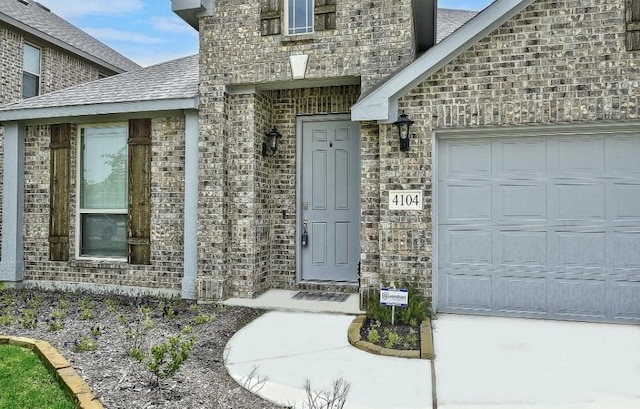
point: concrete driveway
(504, 363)
(481, 362)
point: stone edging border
(426, 341)
(72, 383)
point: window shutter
(270, 17)
(325, 15)
(59, 192)
(139, 191)
(633, 25)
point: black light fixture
(269, 149)
(403, 123)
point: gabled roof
(35, 19)
(170, 85)
(381, 103)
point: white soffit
(381, 104)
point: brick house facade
(67, 56)
(539, 72)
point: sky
(147, 31)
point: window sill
(96, 262)
(299, 38)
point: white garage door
(540, 225)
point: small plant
(6, 318)
(63, 304)
(333, 399)
(373, 336)
(54, 324)
(85, 344)
(95, 331)
(29, 318)
(203, 318)
(86, 309)
(110, 305)
(168, 311)
(165, 359)
(391, 338)
(187, 329)
(122, 319)
(136, 354)
(411, 340)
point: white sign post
(394, 297)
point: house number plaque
(405, 200)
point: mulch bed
(403, 331)
(118, 380)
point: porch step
(284, 300)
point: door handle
(304, 241)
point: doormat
(320, 296)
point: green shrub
(164, 360)
(418, 308)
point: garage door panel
(519, 157)
(467, 247)
(577, 201)
(578, 249)
(580, 298)
(522, 202)
(625, 151)
(468, 292)
(523, 248)
(626, 249)
(579, 155)
(624, 299)
(624, 202)
(466, 157)
(520, 295)
(466, 202)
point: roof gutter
(30, 114)
(381, 104)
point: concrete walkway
(481, 363)
(290, 347)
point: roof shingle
(176, 79)
(48, 26)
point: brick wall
(58, 70)
(371, 40)
(167, 198)
(10, 65)
(557, 62)
(61, 70)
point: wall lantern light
(270, 148)
(403, 123)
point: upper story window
(31, 71)
(299, 16)
(103, 207)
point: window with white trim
(30, 71)
(103, 192)
(299, 16)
